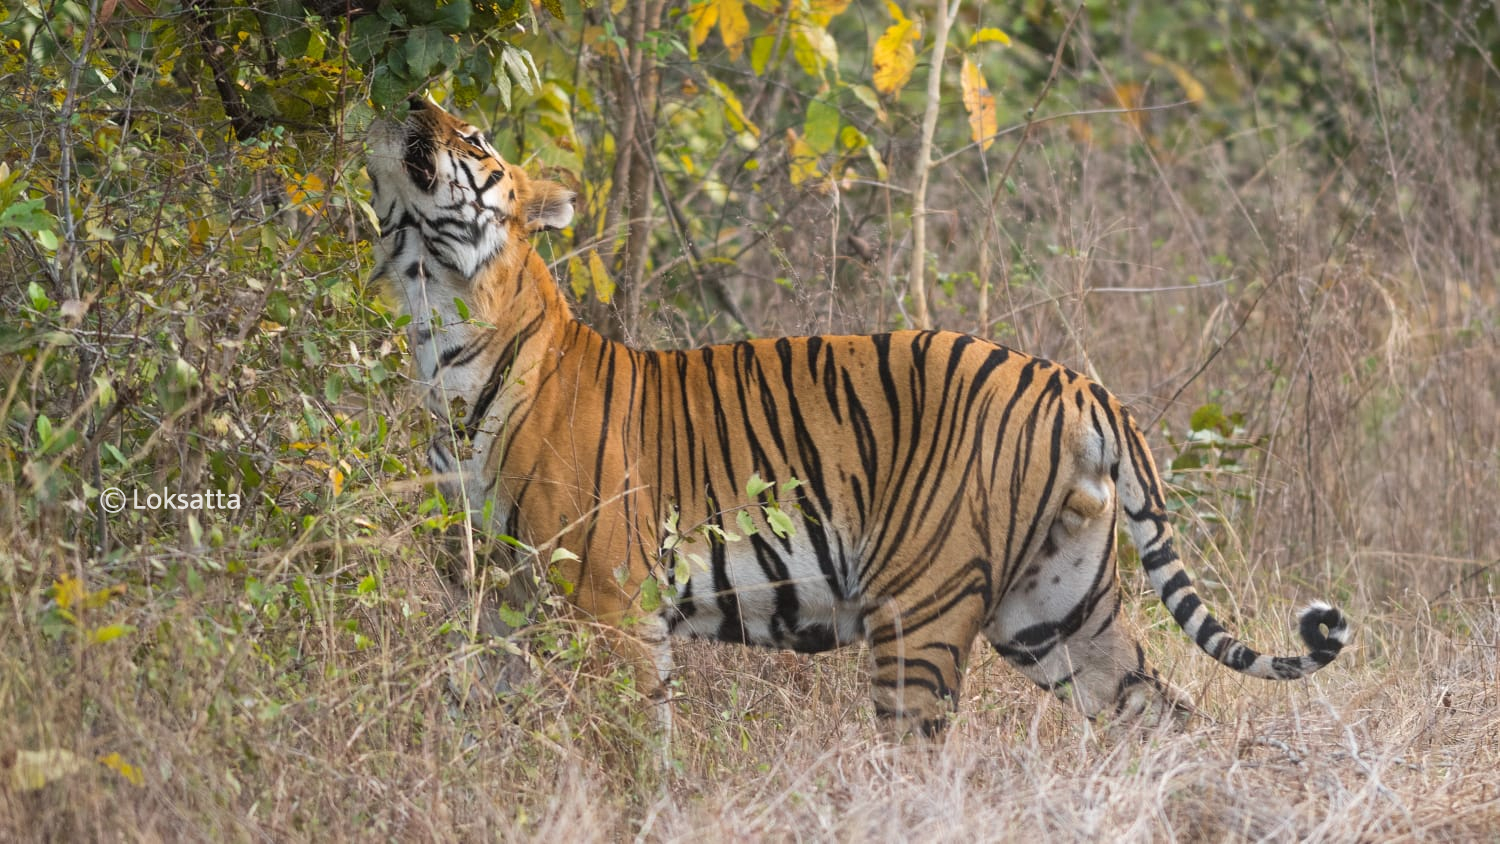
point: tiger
(949, 486)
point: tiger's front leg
(634, 634)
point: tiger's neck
(473, 343)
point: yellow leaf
(814, 49)
(33, 769)
(97, 599)
(604, 286)
(989, 34)
(67, 591)
(804, 161)
(1130, 95)
(734, 112)
(577, 281)
(336, 477)
(108, 633)
(199, 231)
(733, 26)
(301, 190)
(131, 773)
(853, 139)
(827, 9)
(704, 16)
(980, 104)
(1191, 87)
(895, 55)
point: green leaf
(650, 595)
(387, 87)
(821, 129)
(1209, 417)
(781, 524)
(285, 24)
(512, 618)
(279, 307)
(421, 11)
(521, 68)
(756, 485)
(503, 86)
(367, 584)
(27, 215)
(745, 522)
(1187, 460)
(38, 296)
(424, 51)
(106, 389)
(454, 17)
(368, 35)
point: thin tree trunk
(628, 215)
(918, 283)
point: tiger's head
(447, 202)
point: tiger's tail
(1144, 506)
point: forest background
(1271, 227)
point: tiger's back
(950, 487)
(883, 469)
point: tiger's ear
(550, 206)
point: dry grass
(767, 747)
(1357, 329)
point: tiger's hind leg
(1060, 622)
(918, 657)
